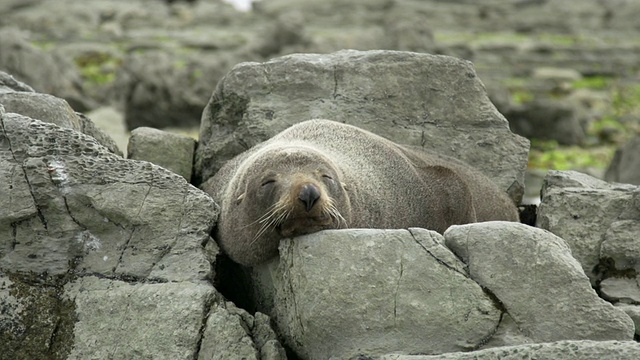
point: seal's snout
(309, 195)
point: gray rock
(568, 210)
(625, 165)
(621, 289)
(45, 72)
(171, 151)
(88, 127)
(532, 273)
(340, 293)
(432, 101)
(159, 88)
(54, 110)
(232, 333)
(620, 244)
(102, 257)
(71, 204)
(548, 120)
(634, 313)
(121, 320)
(565, 350)
(35, 322)
(227, 336)
(8, 84)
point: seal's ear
(240, 198)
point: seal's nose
(309, 194)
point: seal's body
(321, 174)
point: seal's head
(280, 192)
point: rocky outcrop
(93, 261)
(19, 98)
(625, 166)
(341, 293)
(436, 102)
(598, 220)
(542, 287)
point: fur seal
(321, 174)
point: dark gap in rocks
(232, 280)
(528, 214)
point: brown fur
(360, 179)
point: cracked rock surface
(542, 287)
(436, 102)
(103, 257)
(602, 238)
(341, 293)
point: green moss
(522, 96)
(44, 45)
(626, 100)
(180, 64)
(592, 82)
(506, 37)
(41, 321)
(550, 155)
(98, 68)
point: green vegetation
(98, 68)
(506, 37)
(549, 155)
(592, 82)
(619, 123)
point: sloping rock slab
(54, 110)
(543, 288)
(436, 102)
(565, 350)
(72, 204)
(340, 293)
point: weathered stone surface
(8, 84)
(35, 322)
(565, 350)
(625, 165)
(544, 289)
(77, 206)
(54, 110)
(621, 245)
(232, 333)
(586, 213)
(340, 293)
(621, 289)
(634, 313)
(122, 320)
(171, 151)
(436, 102)
(102, 257)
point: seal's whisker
(334, 213)
(274, 217)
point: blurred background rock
(565, 76)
